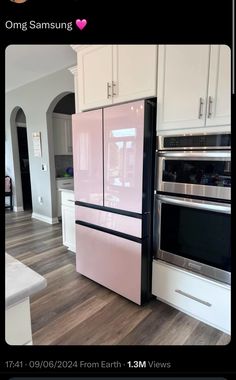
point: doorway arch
(21, 176)
(56, 101)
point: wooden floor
(74, 310)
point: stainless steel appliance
(197, 165)
(194, 234)
(192, 203)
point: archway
(63, 104)
(22, 199)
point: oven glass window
(211, 173)
(200, 235)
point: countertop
(67, 190)
(64, 178)
(21, 281)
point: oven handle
(189, 155)
(225, 209)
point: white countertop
(21, 281)
(64, 178)
(67, 190)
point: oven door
(194, 235)
(206, 174)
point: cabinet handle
(113, 88)
(108, 90)
(193, 298)
(70, 200)
(66, 183)
(200, 111)
(210, 104)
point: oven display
(199, 235)
(201, 141)
(210, 173)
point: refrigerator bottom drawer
(112, 261)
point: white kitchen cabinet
(193, 87)
(134, 72)
(62, 133)
(62, 183)
(198, 296)
(68, 219)
(182, 86)
(18, 323)
(219, 91)
(110, 74)
(95, 76)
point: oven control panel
(222, 141)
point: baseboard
(72, 249)
(18, 209)
(44, 218)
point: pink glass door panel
(111, 261)
(121, 223)
(88, 157)
(123, 156)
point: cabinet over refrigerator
(114, 154)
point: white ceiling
(26, 63)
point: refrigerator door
(88, 157)
(116, 222)
(110, 260)
(123, 156)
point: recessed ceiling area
(27, 63)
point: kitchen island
(21, 283)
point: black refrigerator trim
(148, 197)
(103, 155)
(110, 209)
(109, 231)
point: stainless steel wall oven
(195, 165)
(192, 222)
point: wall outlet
(44, 167)
(40, 199)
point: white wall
(35, 99)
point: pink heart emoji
(81, 23)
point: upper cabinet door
(59, 134)
(134, 72)
(123, 156)
(182, 86)
(88, 157)
(95, 77)
(69, 135)
(219, 92)
(62, 134)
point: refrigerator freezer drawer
(121, 223)
(112, 261)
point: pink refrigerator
(113, 155)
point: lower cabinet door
(202, 298)
(112, 261)
(68, 227)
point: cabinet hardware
(200, 112)
(113, 88)
(210, 104)
(193, 298)
(219, 207)
(70, 200)
(108, 90)
(66, 183)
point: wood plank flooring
(73, 310)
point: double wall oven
(192, 203)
